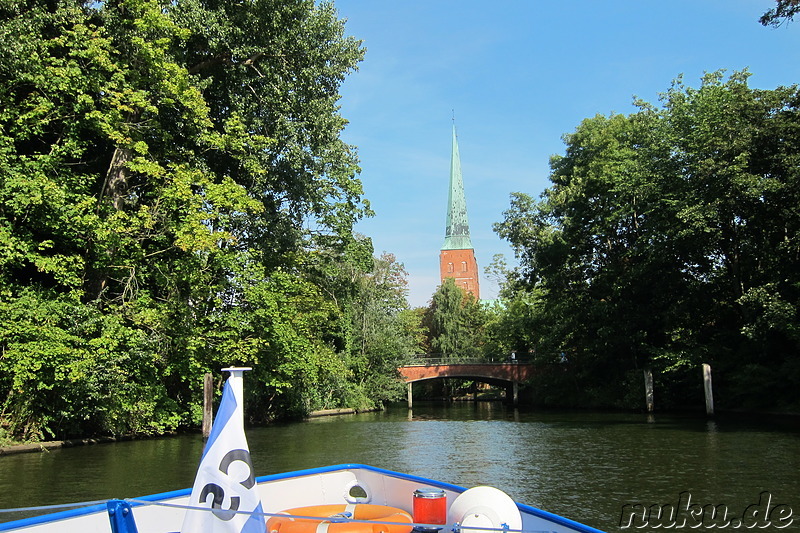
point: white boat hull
(161, 513)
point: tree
(665, 233)
(384, 333)
(166, 171)
(455, 322)
(784, 10)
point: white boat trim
(154, 513)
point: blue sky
(517, 75)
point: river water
(582, 465)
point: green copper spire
(457, 229)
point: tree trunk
(116, 184)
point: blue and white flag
(225, 481)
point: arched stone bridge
(507, 374)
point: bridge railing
(424, 360)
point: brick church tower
(457, 257)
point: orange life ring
(330, 524)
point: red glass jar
(430, 506)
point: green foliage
(518, 326)
(175, 197)
(456, 323)
(784, 10)
(377, 334)
(71, 370)
(668, 239)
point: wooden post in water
(648, 388)
(410, 401)
(708, 389)
(208, 400)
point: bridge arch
(508, 374)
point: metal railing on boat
(121, 514)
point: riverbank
(785, 420)
(11, 449)
(56, 444)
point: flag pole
(237, 385)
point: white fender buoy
(484, 507)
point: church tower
(457, 257)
